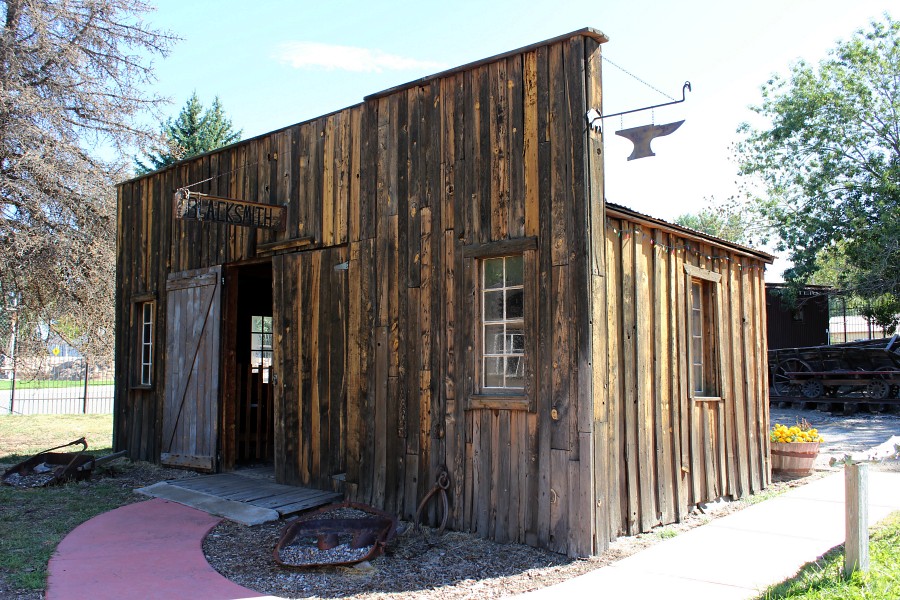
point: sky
(273, 63)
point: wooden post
(856, 547)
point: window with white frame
(261, 341)
(261, 344)
(146, 315)
(502, 324)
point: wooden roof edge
(585, 31)
(625, 212)
(238, 143)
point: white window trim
(144, 312)
(505, 322)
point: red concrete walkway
(146, 550)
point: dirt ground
(456, 565)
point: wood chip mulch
(424, 564)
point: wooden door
(191, 407)
(309, 325)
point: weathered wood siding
(312, 168)
(310, 349)
(376, 363)
(492, 153)
(670, 451)
(400, 185)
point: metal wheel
(878, 389)
(893, 388)
(780, 380)
(812, 388)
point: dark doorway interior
(249, 412)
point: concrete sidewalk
(147, 550)
(154, 549)
(739, 555)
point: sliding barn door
(191, 409)
(309, 323)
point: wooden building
(804, 322)
(435, 283)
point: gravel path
(458, 565)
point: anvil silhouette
(643, 135)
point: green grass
(667, 533)
(24, 435)
(46, 384)
(34, 521)
(824, 580)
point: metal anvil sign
(203, 207)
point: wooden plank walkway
(259, 491)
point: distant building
(805, 324)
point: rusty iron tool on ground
(442, 484)
(338, 534)
(51, 468)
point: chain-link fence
(41, 374)
(850, 320)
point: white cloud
(305, 55)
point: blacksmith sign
(215, 209)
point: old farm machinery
(856, 371)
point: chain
(630, 74)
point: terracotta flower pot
(794, 458)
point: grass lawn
(824, 580)
(43, 384)
(34, 521)
(24, 435)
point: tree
(826, 167)
(713, 221)
(193, 132)
(72, 81)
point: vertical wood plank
(644, 332)
(530, 144)
(630, 393)
(661, 368)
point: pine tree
(193, 132)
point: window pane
(145, 355)
(255, 323)
(267, 324)
(493, 306)
(698, 379)
(697, 349)
(493, 273)
(493, 372)
(696, 324)
(493, 339)
(515, 372)
(145, 375)
(514, 266)
(255, 341)
(515, 339)
(514, 304)
(148, 312)
(695, 295)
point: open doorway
(248, 411)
